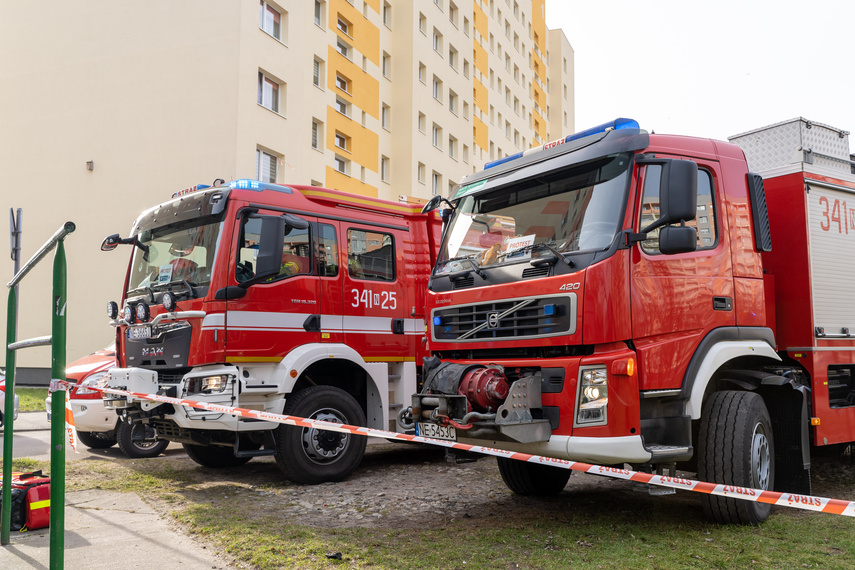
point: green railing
(57, 437)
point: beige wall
(162, 95)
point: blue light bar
(615, 125)
(248, 184)
(437, 321)
(549, 310)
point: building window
(422, 72)
(319, 13)
(452, 13)
(465, 110)
(436, 183)
(384, 169)
(265, 166)
(386, 65)
(422, 122)
(343, 25)
(437, 41)
(452, 101)
(466, 69)
(436, 136)
(268, 92)
(420, 173)
(422, 23)
(317, 134)
(466, 154)
(387, 15)
(343, 48)
(452, 57)
(437, 89)
(384, 116)
(271, 20)
(452, 147)
(317, 73)
(341, 164)
(341, 141)
(342, 107)
(342, 83)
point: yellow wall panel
(364, 89)
(362, 35)
(538, 23)
(541, 67)
(364, 144)
(480, 134)
(479, 54)
(338, 181)
(479, 20)
(480, 95)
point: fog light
(142, 312)
(169, 301)
(593, 397)
(112, 310)
(128, 314)
(214, 384)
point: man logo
(493, 320)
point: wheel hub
(324, 446)
(760, 457)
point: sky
(710, 68)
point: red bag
(37, 507)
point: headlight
(112, 310)
(99, 380)
(168, 301)
(207, 384)
(593, 397)
(142, 312)
(128, 314)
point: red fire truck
(639, 314)
(291, 299)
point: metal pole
(57, 428)
(8, 416)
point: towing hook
(405, 418)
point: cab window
(704, 222)
(370, 255)
(296, 251)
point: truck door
(375, 304)
(677, 299)
(281, 312)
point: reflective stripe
(261, 321)
(40, 505)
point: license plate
(135, 333)
(435, 431)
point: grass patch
(243, 512)
(31, 399)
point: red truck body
(265, 296)
(625, 324)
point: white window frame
(272, 166)
(268, 92)
(264, 22)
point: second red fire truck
(619, 297)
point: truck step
(668, 452)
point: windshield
(172, 254)
(577, 209)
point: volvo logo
(493, 320)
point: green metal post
(8, 415)
(57, 404)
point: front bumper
(89, 415)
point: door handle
(397, 326)
(312, 323)
(722, 304)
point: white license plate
(135, 333)
(435, 431)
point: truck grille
(510, 319)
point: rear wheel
(137, 440)
(736, 447)
(214, 456)
(532, 478)
(312, 456)
(97, 439)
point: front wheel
(137, 440)
(736, 447)
(532, 478)
(97, 439)
(311, 456)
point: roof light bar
(248, 184)
(617, 124)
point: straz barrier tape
(804, 502)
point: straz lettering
(676, 481)
(570, 287)
(614, 470)
(553, 460)
(503, 452)
(553, 144)
(802, 500)
(740, 491)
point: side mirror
(678, 239)
(295, 222)
(678, 192)
(432, 204)
(110, 242)
(270, 246)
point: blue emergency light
(248, 184)
(615, 125)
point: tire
(532, 478)
(736, 447)
(310, 456)
(97, 439)
(126, 434)
(214, 456)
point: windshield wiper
(540, 245)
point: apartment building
(108, 109)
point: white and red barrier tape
(804, 502)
